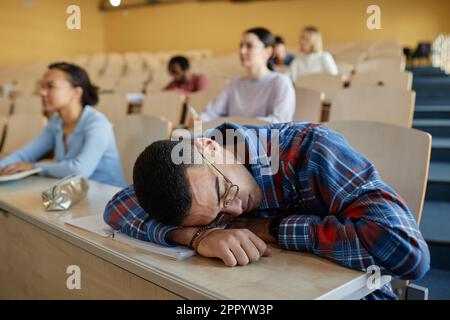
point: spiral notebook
(95, 224)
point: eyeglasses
(231, 192)
(221, 221)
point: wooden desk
(36, 247)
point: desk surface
(285, 275)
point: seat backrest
(401, 156)
(164, 104)
(386, 44)
(5, 106)
(345, 70)
(396, 79)
(113, 106)
(308, 105)
(326, 83)
(27, 86)
(199, 100)
(133, 134)
(28, 104)
(130, 84)
(242, 121)
(351, 56)
(371, 103)
(16, 135)
(106, 83)
(382, 64)
(385, 53)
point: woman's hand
(14, 168)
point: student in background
(262, 93)
(312, 58)
(82, 138)
(281, 56)
(183, 81)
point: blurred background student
(281, 56)
(261, 93)
(82, 138)
(312, 58)
(183, 80)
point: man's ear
(210, 148)
(206, 145)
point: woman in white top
(312, 58)
(262, 93)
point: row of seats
(386, 103)
(131, 72)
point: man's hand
(14, 168)
(233, 247)
(259, 226)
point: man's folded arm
(123, 213)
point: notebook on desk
(177, 253)
(20, 175)
(95, 224)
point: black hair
(279, 40)
(78, 77)
(182, 61)
(161, 186)
(267, 38)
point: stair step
(439, 172)
(432, 112)
(440, 254)
(436, 127)
(426, 71)
(441, 150)
(432, 91)
(438, 191)
(438, 283)
(435, 223)
(440, 101)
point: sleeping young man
(299, 185)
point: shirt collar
(85, 115)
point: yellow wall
(37, 31)
(218, 25)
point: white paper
(177, 253)
(20, 175)
(93, 224)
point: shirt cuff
(45, 166)
(296, 233)
(157, 233)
